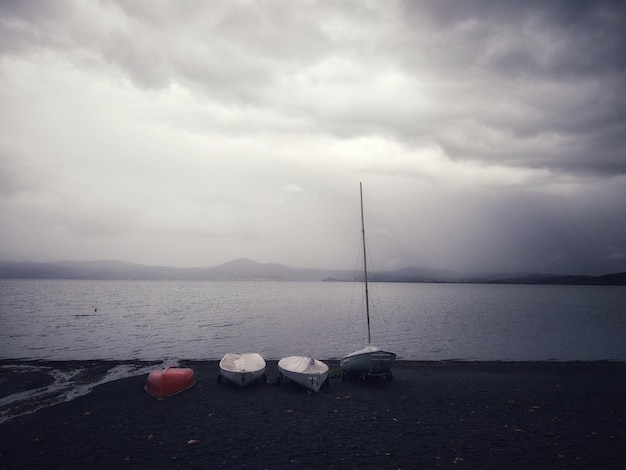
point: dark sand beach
(433, 415)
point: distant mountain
(416, 275)
(617, 279)
(247, 270)
(238, 270)
(104, 270)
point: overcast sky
(489, 136)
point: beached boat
(371, 360)
(306, 371)
(242, 369)
(169, 381)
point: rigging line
(376, 304)
(352, 309)
(356, 316)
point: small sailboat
(242, 369)
(306, 371)
(169, 381)
(371, 360)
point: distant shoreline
(248, 270)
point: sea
(176, 320)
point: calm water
(57, 320)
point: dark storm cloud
(540, 83)
(493, 125)
(533, 71)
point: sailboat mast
(367, 297)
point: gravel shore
(433, 415)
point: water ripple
(152, 320)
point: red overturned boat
(166, 382)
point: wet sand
(433, 415)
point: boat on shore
(242, 369)
(371, 361)
(169, 381)
(303, 370)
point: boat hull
(170, 381)
(242, 369)
(305, 371)
(370, 361)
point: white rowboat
(242, 369)
(306, 371)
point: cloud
(248, 123)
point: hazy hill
(238, 270)
(247, 270)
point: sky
(489, 136)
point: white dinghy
(306, 371)
(371, 360)
(242, 369)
